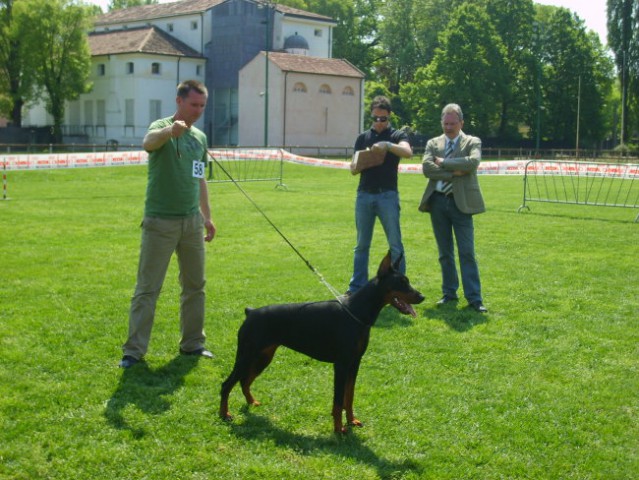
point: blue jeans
(446, 219)
(368, 206)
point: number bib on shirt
(198, 169)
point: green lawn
(546, 386)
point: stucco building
(139, 55)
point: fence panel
(246, 165)
(581, 183)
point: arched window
(324, 88)
(348, 91)
(299, 87)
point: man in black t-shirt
(377, 194)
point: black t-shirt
(384, 176)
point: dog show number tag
(198, 169)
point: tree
(410, 34)
(16, 79)
(513, 20)
(57, 41)
(468, 69)
(572, 77)
(623, 39)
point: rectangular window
(155, 110)
(194, 25)
(74, 113)
(318, 32)
(155, 68)
(129, 68)
(198, 70)
(129, 112)
(88, 112)
(101, 106)
(101, 69)
(169, 27)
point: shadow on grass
(389, 317)
(147, 389)
(259, 429)
(458, 319)
(568, 216)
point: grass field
(546, 386)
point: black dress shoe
(446, 299)
(128, 361)
(479, 307)
(201, 352)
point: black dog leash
(330, 288)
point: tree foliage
(17, 84)
(57, 44)
(118, 4)
(468, 69)
(623, 39)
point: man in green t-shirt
(175, 212)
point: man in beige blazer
(452, 197)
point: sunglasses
(379, 119)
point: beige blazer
(466, 157)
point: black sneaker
(128, 361)
(446, 299)
(479, 307)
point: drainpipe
(202, 33)
(361, 105)
(284, 113)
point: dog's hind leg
(256, 366)
(240, 371)
(227, 386)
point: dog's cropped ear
(386, 265)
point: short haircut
(381, 102)
(185, 87)
(453, 108)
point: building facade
(141, 53)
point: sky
(592, 12)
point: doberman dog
(334, 331)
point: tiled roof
(138, 40)
(184, 7)
(316, 65)
(302, 13)
(160, 10)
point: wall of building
(119, 106)
(326, 114)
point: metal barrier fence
(581, 183)
(246, 165)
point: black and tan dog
(330, 331)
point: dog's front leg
(349, 395)
(339, 383)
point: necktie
(447, 187)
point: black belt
(376, 190)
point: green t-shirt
(172, 189)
